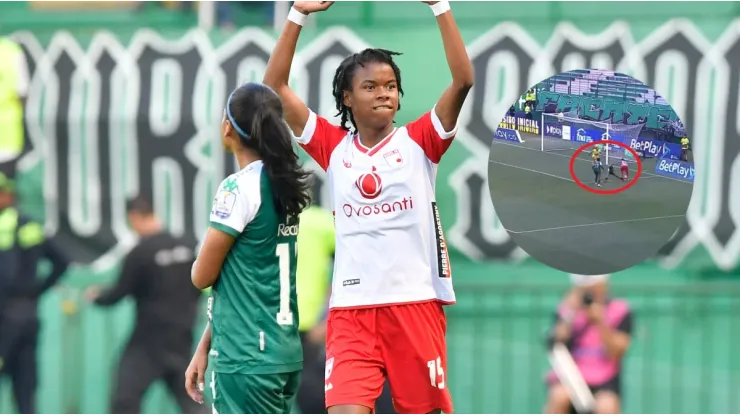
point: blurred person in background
(685, 149)
(156, 273)
(596, 329)
(316, 248)
(22, 247)
(14, 81)
(531, 98)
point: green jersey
(253, 310)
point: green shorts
(253, 393)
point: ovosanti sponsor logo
(369, 210)
(369, 184)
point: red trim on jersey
(375, 149)
(326, 137)
(382, 305)
(422, 131)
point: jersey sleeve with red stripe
(320, 138)
(427, 131)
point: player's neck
(246, 156)
(369, 137)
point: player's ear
(224, 127)
(347, 99)
(228, 134)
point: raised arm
(278, 67)
(452, 99)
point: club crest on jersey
(223, 204)
(369, 184)
(393, 158)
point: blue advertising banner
(553, 130)
(671, 151)
(508, 134)
(649, 147)
(675, 169)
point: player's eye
(369, 87)
(392, 86)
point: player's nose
(383, 94)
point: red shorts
(406, 343)
(625, 169)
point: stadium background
(117, 106)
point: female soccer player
(597, 168)
(392, 271)
(624, 169)
(248, 256)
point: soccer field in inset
(551, 217)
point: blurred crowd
(225, 10)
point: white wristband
(297, 17)
(440, 7)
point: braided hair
(346, 72)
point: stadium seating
(608, 84)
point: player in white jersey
(392, 273)
(624, 169)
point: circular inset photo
(591, 171)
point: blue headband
(231, 118)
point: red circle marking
(604, 191)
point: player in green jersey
(248, 257)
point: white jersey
(238, 200)
(390, 247)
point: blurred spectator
(14, 82)
(596, 330)
(685, 149)
(530, 98)
(157, 274)
(316, 248)
(225, 12)
(527, 111)
(22, 246)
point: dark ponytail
(259, 107)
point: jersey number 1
(284, 316)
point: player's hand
(430, 2)
(92, 293)
(317, 334)
(308, 7)
(195, 376)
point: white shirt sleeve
(437, 123)
(234, 207)
(23, 76)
